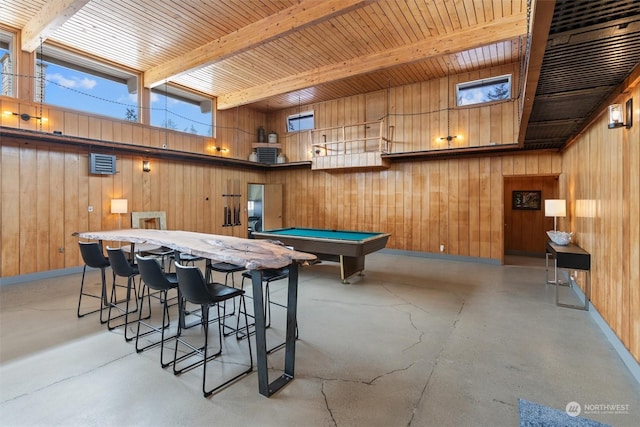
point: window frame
(484, 83)
(9, 38)
(204, 102)
(91, 67)
(298, 118)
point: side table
(572, 257)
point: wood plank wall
(46, 191)
(420, 114)
(457, 203)
(235, 129)
(602, 185)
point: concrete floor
(414, 342)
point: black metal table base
(264, 387)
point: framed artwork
(526, 200)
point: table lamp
(119, 206)
(555, 208)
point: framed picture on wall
(526, 200)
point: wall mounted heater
(267, 155)
(102, 164)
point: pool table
(346, 247)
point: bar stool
(94, 258)
(154, 278)
(227, 269)
(122, 268)
(268, 276)
(161, 252)
(184, 259)
(194, 289)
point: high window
(301, 121)
(70, 81)
(482, 91)
(180, 110)
(6, 64)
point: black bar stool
(154, 278)
(122, 268)
(226, 269)
(268, 276)
(194, 289)
(94, 258)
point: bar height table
(573, 257)
(255, 255)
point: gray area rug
(536, 415)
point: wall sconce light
(555, 208)
(619, 117)
(26, 117)
(449, 138)
(217, 148)
(146, 166)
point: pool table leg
(349, 266)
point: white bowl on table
(561, 238)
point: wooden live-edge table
(572, 257)
(254, 255)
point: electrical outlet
(90, 209)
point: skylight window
(483, 91)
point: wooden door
(525, 229)
(272, 207)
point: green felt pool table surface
(325, 234)
(347, 247)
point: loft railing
(351, 139)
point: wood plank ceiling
(273, 54)
(276, 54)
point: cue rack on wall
(232, 199)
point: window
(68, 80)
(6, 64)
(302, 121)
(485, 90)
(180, 110)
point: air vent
(267, 155)
(102, 164)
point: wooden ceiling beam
(540, 25)
(282, 23)
(506, 28)
(52, 16)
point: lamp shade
(119, 206)
(555, 207)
